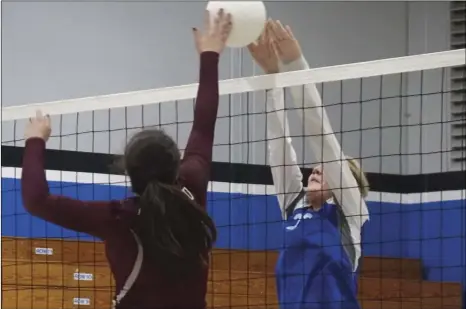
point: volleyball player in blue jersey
(317, 266)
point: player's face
(317, 186)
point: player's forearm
(34, 186)
(205, 112)
(286, 174)
(298, 64)
(278, 132)
(306, 95)
(201, 139)
(307, 98)
(197, 159)
(276, 116)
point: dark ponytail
(175, 231)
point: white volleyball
(248, 18)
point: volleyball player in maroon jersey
(158, 242)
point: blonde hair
(359, 175)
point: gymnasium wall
(60, 50)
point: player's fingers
(226, 26)
(266, 34)
(271, 48)
(276, 48)
(206, 20)
(262, 38)
(269, 24)
(47, 120)
(221, 14)
(270, 32)
(272, 27)
(255, 54)
(281, 30)
(252, 47)
(225, 19)
(289, 32)
(226, 30)
(214, 27)
(38, 114)
(219, 21)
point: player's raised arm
(195, 168)
(93, 218)
(286, 174)
(339, 175)
(292, 59)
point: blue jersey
(314, 269)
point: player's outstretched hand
(263, 52)
(215, 34)
(38, 126)
(284, 42)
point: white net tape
(240, 85)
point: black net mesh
(399, 127)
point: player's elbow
(34, 200)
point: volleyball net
(402, 118)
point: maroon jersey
(111, 220)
